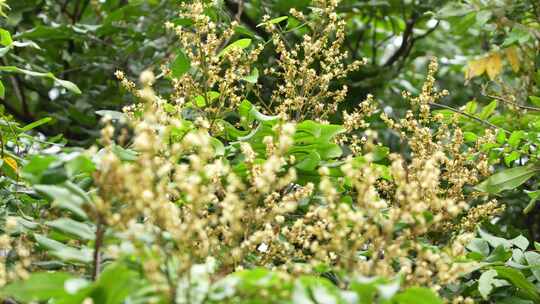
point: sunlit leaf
(238, 44)
(512, 57)
(180, 65)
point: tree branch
(515, 104)
(100, 230)
(233, 7)
(407, 37)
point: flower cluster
(186, 198)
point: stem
(485, 122)
(97, 246)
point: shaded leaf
(507, 179)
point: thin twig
(513, 103)
(478, 119)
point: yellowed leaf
(11, 162)
(493, 65)
(476, 68)
(512, 57)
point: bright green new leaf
(309, 162)
(515, 138)
(180, 65)
(418, 295)
(80, 165)
(5, 37)
(470, 136)
(488, 110)
(535, 100)
(274, 21)
(40, 286)
(238, 44)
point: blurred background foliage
(487, 49)
(85, 41)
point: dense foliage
(271, 151)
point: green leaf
(36, 124)
(218, 146)
(507, 179)
(488, 110)
(238, 44)
(533, 195)
(35, 169)
(380, 153)
(501, 137)
(274, 21)
(418, 295)
(70, 86)
(124, 154)
(115, 115)
(180, 65)
(116, 284)
(40, 286)
(513, 156)
(479, 245)
(533, 259)
(64, 83)
(535, 100)
(494, 241)
(5, 37)
(253, 77)
(65, 252)
(487, 282)
(470, 136)
(49, 33)
(309, 162)
(518, 280)
(499, 254)
(520, 242)
(470, 107)
(518, 35)
(80, 165)
(515, 138)
(454, 9)
(2, 90)
(66, 197)
(81, 230)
